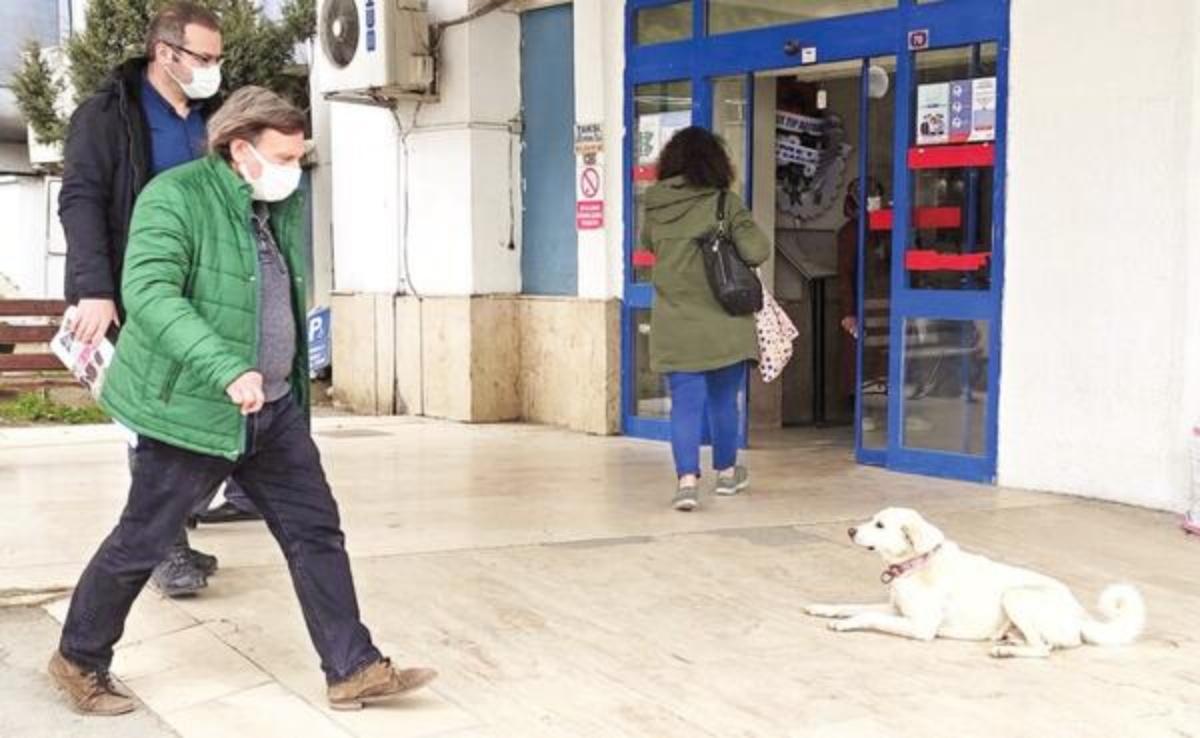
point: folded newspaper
(86, 361)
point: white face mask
(277, 181)
(205, 82)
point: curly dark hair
(698, 156)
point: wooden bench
(30, 324)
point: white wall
(461, 174)
(23, 260)
(442, 202)
(321, 279)
(14, 159)
(77, 14)
(1096, 314)
(599, 98)
(366, 199)
(1188, 410)
(494, 66)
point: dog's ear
(921, 535)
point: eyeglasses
(204, 59)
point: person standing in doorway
(148, 119)
(876, 258)
(212, 377)
(702, 349)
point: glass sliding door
(659, 110)
(927, 166)
(873, 259)
(947, 276)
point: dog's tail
(1124, 616)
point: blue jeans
(693, 392)
(281, 472)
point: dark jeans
(235, 495)
(281, 471)
(181, 538)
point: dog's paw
(1003, 651)
(843, 626)
(822, 611)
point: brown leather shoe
(89, 692)
(376, 682)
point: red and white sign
(589, 215)
(589, 194)
(589, 183)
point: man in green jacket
(211, 376)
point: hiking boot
(686, 498)
(376, 682)
(206, 563)
(178, 575)
(89, 692)
(731, 484)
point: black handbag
(733, 282)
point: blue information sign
(320, 343)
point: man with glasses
(149, 118)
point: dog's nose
(853, 532)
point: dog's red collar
(895, 571)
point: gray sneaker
(731, 484)
(178, 575)
(686, 499)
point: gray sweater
(276, 325)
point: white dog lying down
(940, 590)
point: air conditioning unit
(378, 47)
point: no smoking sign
(589, 200)
(589, 183)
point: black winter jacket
(107, 162)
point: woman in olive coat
(702, 349)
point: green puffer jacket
(190, 288)
(689, 330)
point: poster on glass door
(653, 132)
(960, 111)
(933, 114)
(983, 110)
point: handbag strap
(721, 211)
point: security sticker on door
(960, 111)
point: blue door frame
(700, 59)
